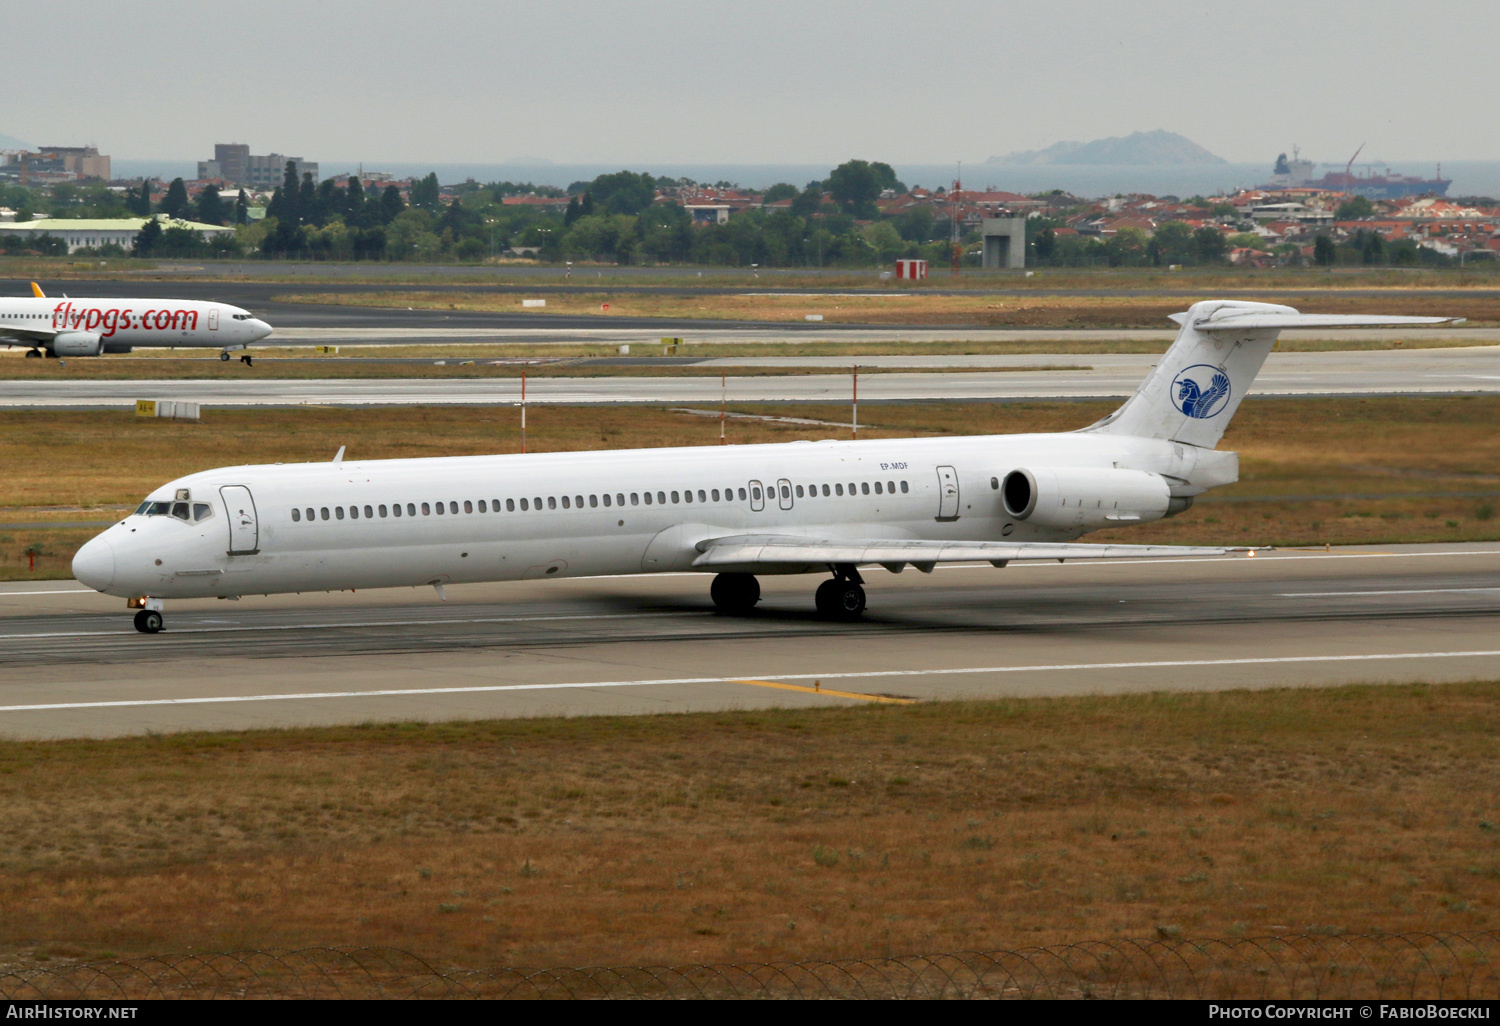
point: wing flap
(921, 553)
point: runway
(1380, 372)
(70, 664)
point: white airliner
(93, 327)
(736, 511)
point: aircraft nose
(94, 564)
(262, 329)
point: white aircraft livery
(734, 511)
(93, 327)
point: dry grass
(1311, 474)
(915, 307)
(785, 834)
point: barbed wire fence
(1346, 966)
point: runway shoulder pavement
(71, 665)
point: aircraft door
(947, 493)
(757, 496)
(244, 531)
(213, 318)
(784, 492)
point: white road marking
(741, 678)
(57, 591)
(333, 626)
(1402, 591)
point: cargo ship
(1297, 173)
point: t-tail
(1191, 395)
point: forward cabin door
(947, 493)
(213, 318)
(244, 530)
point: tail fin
(1193, 392)
(36, 291)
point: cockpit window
(154, 509)
(202, 511)
(241, 317)
(180, 511)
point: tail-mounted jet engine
(1086, 497)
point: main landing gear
(33, 354)
(735, 593)
(148, 621)
(842, 598)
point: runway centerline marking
(1393, 591)
(767, 677)
(888, 699)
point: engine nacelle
(78, 343)
(1085, 497)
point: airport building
(93, 233)
(234, 163)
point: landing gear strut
(842, 598)
(734, 594)
(148, 621)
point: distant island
(1139, 148)
(10, 142)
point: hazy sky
(753, 81)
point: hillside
(1140, 148)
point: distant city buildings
(51, 164)
(235, 164)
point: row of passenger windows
(754, 493)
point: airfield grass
(787, 834)
(913, 307)
(1313, 471)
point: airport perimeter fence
(1396, 966)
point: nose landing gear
(148, 621)
(842, 598)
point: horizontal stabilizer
(741, 551)
(1232, 320)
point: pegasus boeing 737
(736, 512)
(93, 327)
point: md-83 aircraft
(93, 327)
(734, 511)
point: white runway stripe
(854, 675)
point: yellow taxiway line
(816, 689)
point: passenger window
(494, 504)
(702, 496)
(468, 506)
(994, 483)
(687, 496)
(353, 512)
(452, 507)
(594, 500)
(716, 495)
(483, 508)
(369, 512)
(661, 498)
(865, 488)
(523, 505)
(786, 491)
(565, 502)
(381, 507)
(754, 493)
(890, 486)
(633, 498)
(396, 509)
(619, 498)
(311, 514)
(742, 495)
(878, 489)
(825, 490)
(799, 491)
(338, 512)
(537, 501)
(578, 501)
(904, 489)
(411, 509)
(296, 514)
(674, 498)
(426, 510)
(324, 512)
(606, 498)
(648, 498)
(440, 509)
(838, 489)
(510, 505)
(551, 502)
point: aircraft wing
(1233, 320)
(922, 554)
(13, 332)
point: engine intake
(1085, 498)
(78, 343)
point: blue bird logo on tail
(1201, 391)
